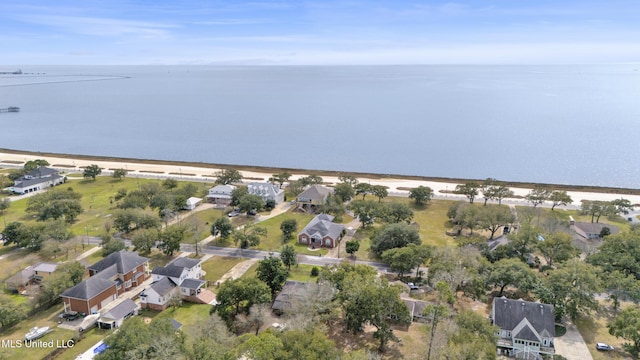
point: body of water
(569, 124)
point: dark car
(251, 213)
(71, 315)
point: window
(128, 284)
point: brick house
(110, 277)
(321, 232)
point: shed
(115, 317)
(192, 202)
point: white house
(180, 277)
(266, 191)
(37, 179)
(192, 202)
(220, 194)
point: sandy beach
(136, 168)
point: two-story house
(37, 179)
(110, 277)
(312, 197)
(527, 328)
(182, 277)
(266, 191)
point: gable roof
(595, 228)
(93, 286)
(508, 314)
(264, 189)
(526, 334)
(37, 176)
(45, 267)
(126, 307)
(193, 200)
(322, 226)
(315, 192)
(185, 262)
(169, 270)
(222, 190)
(124, 260)
(40, 172)
(163, 286)
(289, 291)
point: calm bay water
(577, 124)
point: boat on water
(36, 332)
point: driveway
(571, 345)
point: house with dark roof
(183, 277)
(266, 191)
(220, 194)
(110, 277)
(527, 328)
(321, 231)
(588, 230)
(37, 179)
(29, 275)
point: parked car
(604, 347)
(413, 286)
(71, 315)
(234, 213)
(252, 213)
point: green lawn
(90, 338)
(187, 314)
(593, 329)
(273, 240)
(302, 273)
(44, 318)
(217, 266)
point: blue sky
(319, 32)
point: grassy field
(302, 273)
(217, 266)
(593, 329)
(89, 339)
(187, 314)
(44, 318)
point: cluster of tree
(297, 186)
(280, 178)
(368, 211)
(92, 171)
(491, 189)
(128, 220)
(35, 236)
(246, 202)
(55, 204)
(228, 176)
(66, 276)
(366, 299)
(596, 208)
(491, 218)
(166, 198)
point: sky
(318, 32)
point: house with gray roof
(321, 231)
(114, 317)
(183, 277)
(527, 328)
(312, 197)
(266, 191)
(37, 179)
(588, 230)
(29, 275)
(220, 194)
(109, 278)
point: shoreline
(186, 170)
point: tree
(74, 269)
(209, 340)
(619, 252)
(626, 325)
(238, 295)
(494, 218)
(10, 312)
(524, 241)
(365, 211)
(272, 272)
(402, 260)
(621, 286)
(570, 289)
(394, 236)
(352, 247)
(12, 233)
(251, 202)
(34, 164)
(137, 340)
(362, 189)
(511, 272)
(421, 194)
(502, 192)
(622, 205)
(248, 236)
(170, 239)
(398, 212)
(55, 204)
(119, 174)
(379, 191)
(469, 189)
(289, 256)
(597, 208)
(265, 346)
(281, 178)
(344, 191)
(310, 180)
(51, 288)
(288, 227)
(144, 240)
(5, 203)
(170, 183)
(92, 171)
(537, 196)
(559, 198)
(228, 176)
(112, 245)
(558, 247)
(222, 226)
(434, 313)
(474, 339)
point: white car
(413, 286)
(604, 347)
